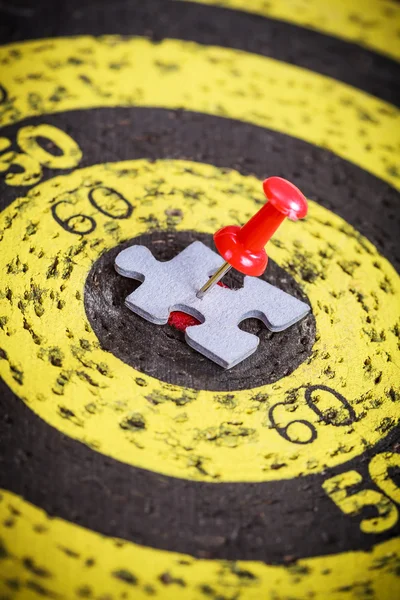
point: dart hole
(162, 352)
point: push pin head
(243, 247)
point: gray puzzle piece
(172, 285)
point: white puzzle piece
(172, 285)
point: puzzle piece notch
(172, 285)
(167, 285)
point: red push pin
(243, 247)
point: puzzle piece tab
(172, 286)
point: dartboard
(131, 466)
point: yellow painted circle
(87, 72)
(54, 362)
(71, 561)
(369, 23)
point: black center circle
(161, 351)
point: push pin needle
(243, 247)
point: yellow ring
(89, 72)
(55, 364)
(72, 561)
(369, 23)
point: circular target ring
(167, 356)
(103, 566)
(378, 32)
(51, 351)
(210, 80)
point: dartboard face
(130, 465)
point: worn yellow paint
(379, 468)
(70, 153)
(49, 76)
(25, 168)
(54, 362)
(73, 562)
(353, 504)
(373, 24)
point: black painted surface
(162, 351)
(250, 521)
